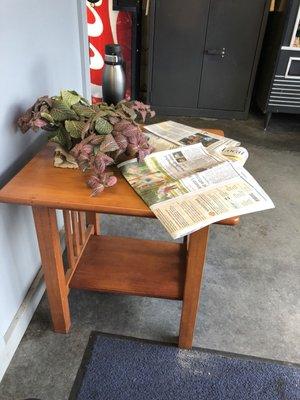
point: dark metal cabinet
(203, 55)
(179, 40)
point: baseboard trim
(17, 328)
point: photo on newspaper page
(183, 135)
(188, 188)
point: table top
(39, 183)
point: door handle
(216, 52)
(147, 7)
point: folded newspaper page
(188, 188)
(169, 135)
(183, 135)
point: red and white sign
(107, 26)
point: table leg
(52, 264)
(93, 218)
(197, 242)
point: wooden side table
(103, 263)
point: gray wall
(40, 48)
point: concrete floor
(250, 296)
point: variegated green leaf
(67, 138)
(57, 139)
(61, 111)
(83, 111)
(70, 97)
(100, 114)
(75, 128)
(47, 117)
(62, 137)
(103, 127)
(112, 113)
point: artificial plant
(95, 135)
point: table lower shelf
(132, 266)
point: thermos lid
(113, 50)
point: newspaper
(190, 187)
(170, 134)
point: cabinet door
(233, 25)
(177, 55)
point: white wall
(41, 47)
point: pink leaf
(39, 123)
(111, 181)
